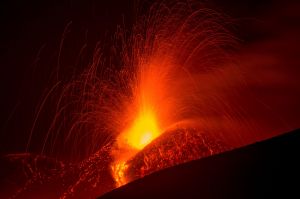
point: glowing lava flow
(118, 170)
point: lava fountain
(169, 50)
(141, 133)
(160, 107)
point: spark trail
(171, 48)
(166, 103)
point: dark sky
(31, 32)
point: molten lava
(143, 130)
(174, 98)
(118, 170)
(166, 61)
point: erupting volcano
(170, 91)
(169, 53)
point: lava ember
(167, 88)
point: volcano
(262, 170)
(172, 148)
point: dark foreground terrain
(266, 169)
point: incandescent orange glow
(143, 131)
(165, 86)
(118, 170)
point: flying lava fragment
(175, 95)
